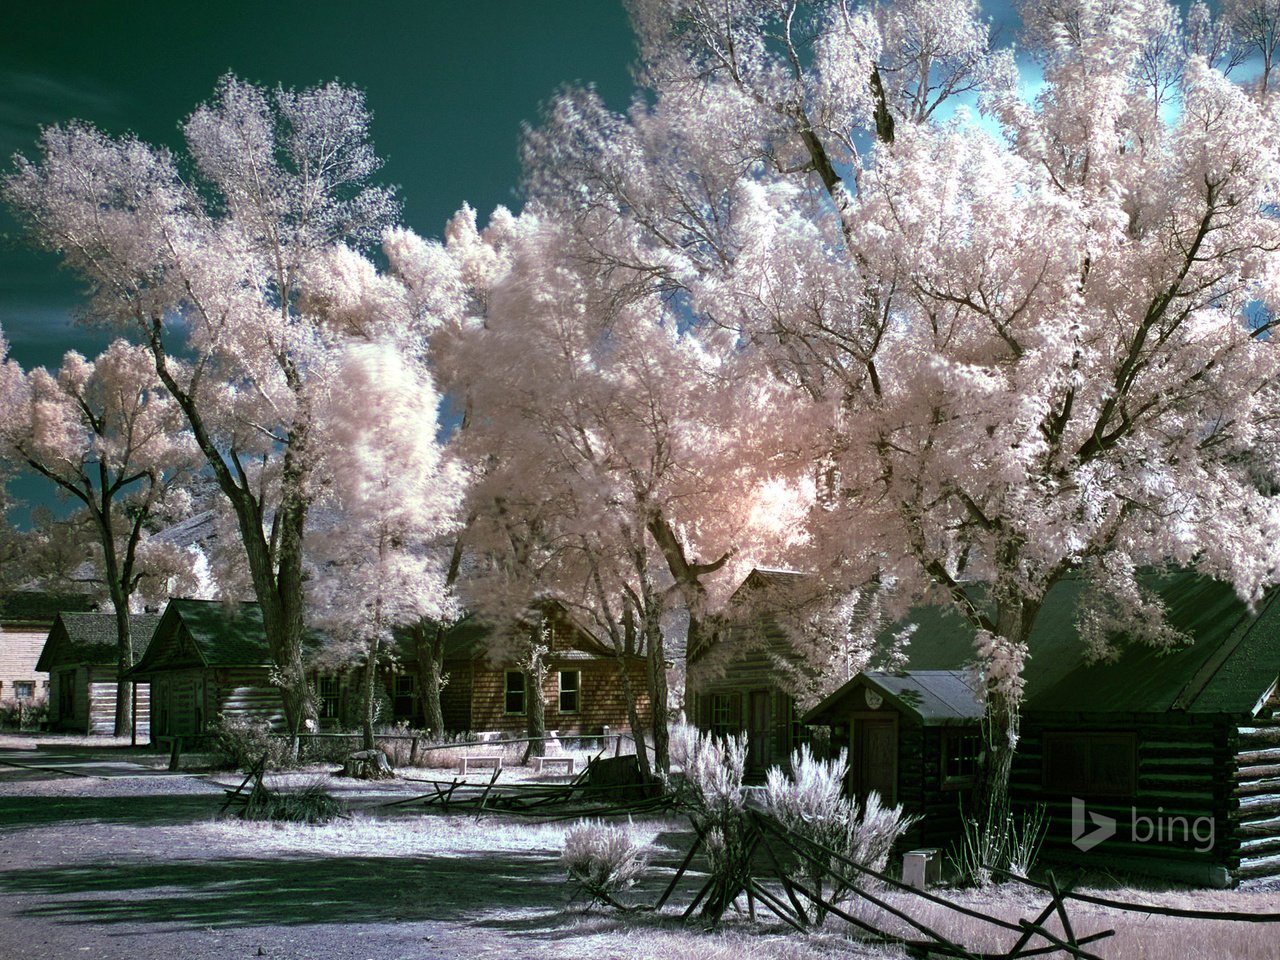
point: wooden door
(874, 764)
(759, 744)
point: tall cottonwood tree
(213, 254)
(1017, 356)
(107, 435)
(389, 497)
(618, 445)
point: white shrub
(604, 858)
(810, 802)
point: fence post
(175, 753)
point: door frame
(880, 716)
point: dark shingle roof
(1231, 663)
(935, 697)
(91, 638)
(36, 606)
(220, 635)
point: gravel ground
(141, 867)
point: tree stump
(368, 765)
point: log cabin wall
(602, 700)
(1254, 775)
(1183, 786)
(244, 692)
(99, 687)
(455, 697)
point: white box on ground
(922, 868)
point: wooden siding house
(80, 658)
(749, 676)
(25, 620)
(1180, 748)
(582, 691)
(207, 658)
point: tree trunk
(368, 711)
(428, 648)
(275, 567)
(656, 669)
(535, 706)
(124, 660)
(1000, 727)
(633, 716)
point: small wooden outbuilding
(80, 657)
(206, 658)
(1177, 751)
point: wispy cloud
(30, 100)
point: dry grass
(1138, 936)
(416, 835)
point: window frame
(508, 692)
(960, 780)
(724, 713)
(576, 692)
(1089, 739)
(330, 704)
(20, 685)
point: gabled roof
(79, 638)
(934, 697)
(1230, 665)
(207, 633)
(39, 606)
(468, 638)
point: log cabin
(582, 690)
(79, 655)
(208, 657)
(1161, 762)
(25, 620)
(750, 675)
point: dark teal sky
(449, 84)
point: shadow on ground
(289, 891)
(159, 809)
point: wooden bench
(566, 762)
(492, 758)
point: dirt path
(138, 867)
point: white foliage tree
(107, 435)
(390, 497)
(1014, 357)
(242, 244)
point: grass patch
(312, 804)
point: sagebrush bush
(311, 804)
(240, 742)
(603, 858)
(712, 790)
(811, 802)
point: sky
(449, 85)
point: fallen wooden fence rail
(1157, 910)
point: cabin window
(725, 713)
(960, 752)
(24, 689)
(1090, 764)
(515, 692)
(570, 685)
(327, 693)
